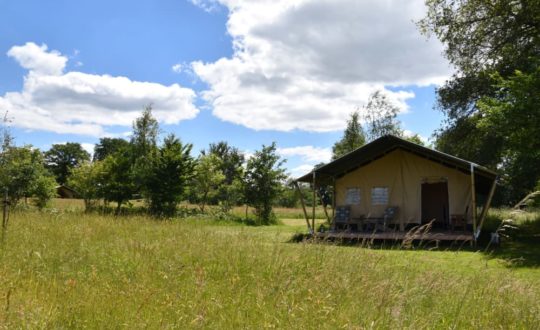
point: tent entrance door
(435, 204)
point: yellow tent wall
(403, 173)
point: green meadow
(63, 268)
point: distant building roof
(66, 192)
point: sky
(246, 72)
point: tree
(513, 114)
(208, 178)
(494, 46)
(44, 189)
(144, 145)
(464, 140)
(168, 175)
(263, 178)
(415, 138)
(353, 137)
(86, 180)
(62, 158)
(232, 161)
(380, 117)
(117, 181)
(482, 37)
(288, 196)
(108, 146)
(145, 133)
(22, 173)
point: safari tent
(389, 186)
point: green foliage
(44, 190)
(229, 192)
(88, 181)
(380, 117)
(482, 37)
(21, 169)
(208, 178)
(464, 139)
(231, 160)
(167, 177)
(22, 173)
(491, 102)
(108, 146)
(263, 179)
(288, 196)
(144, 145)
(415, 138)
(353, 137)
(116, 178)
(513, 113)
(231, 195)
(145, 133)
(62, 158)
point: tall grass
(238, 211)
(66, 270)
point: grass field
(239, 211)
(66, 269)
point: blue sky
(245, 72)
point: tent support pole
(403, 198)
(473, 200)
(314, 202)
(333, 198)
(486, 207)
(303, 205)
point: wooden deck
(399, 236)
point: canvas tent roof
(388, 143)
(66, 192)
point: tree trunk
(204, 201)
(118, 207)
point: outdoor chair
(342, 217)
(381, 223)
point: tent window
(379, 196)
(353, 196)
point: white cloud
(89, 147)
(308, 64)
(178, 67)
(37, 59)
(301, 170)
(248, 154)
(81, 103)
(307, 153)
(206, 5)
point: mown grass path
(71, 270)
